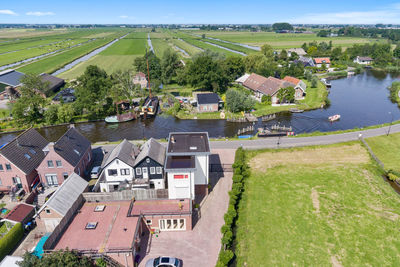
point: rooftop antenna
(148, 74)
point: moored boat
(121, 118)
(334, 118)
(265, 132)
(149, 107)
(326, 82)
(296, 110)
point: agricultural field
(386, 148)
(317, 206)
(119, 56)
(23, 33)
(190, 49)
(280, 40)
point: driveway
(199, 247)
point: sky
(203, 11)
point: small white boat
(334, 118)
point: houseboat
(265, 132)
(150, 107)
(124, 113)
(296, 110)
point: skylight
(27, 156)
(91, 225)
(99, 208)
(77, 152)
(32, 151)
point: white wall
(201, 173)
(158, 183)
(180, 188)
(118, 165)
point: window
(50, 164)
(138, 171)
(152, 170)
(51, 179)
(1, 167)
(58, 163)
(181, 176)
(112, 172)
(125, 172)
(172, 224)
(148, 160)
(27, 156)
(16, 180)
(91, 225)
(149, 222)
(159, 170)
(48, 211)
(1, 183)
(8, 167)
(99, 208)
(33, 152)
(77, 152)
(65, 175)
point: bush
(392, 177)
(10, 240)
(225, 256)
(237, 101)
(314, 82)
(266, 99)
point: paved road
(303, 141)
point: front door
(145, 173)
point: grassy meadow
(386, 148)
(317, 206)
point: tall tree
(234, 67)
(140, 64)
(58, 258)
(267, 51)
(169, 64)
(124, 88)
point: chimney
(72, 125)
(50, 146)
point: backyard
(317, 206)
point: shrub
(314, 82)
(10, 240)
(392, 177)
(266, 99)
(225, 256)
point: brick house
(71, 153)
(299, 88)
(140, 78)
(208, 102)
(19, 160)
(319, 61)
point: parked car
(164, 262)
(95, 172)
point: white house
(363, 60)
(186, 164)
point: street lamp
(391, 121)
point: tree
(283, 55)
(314, 82)
(237, 101)
(312, 50)
(396, 52)
(92, 90)
(206, 73)
(33, 84)
(233, 67)
(336, 53)
(57, 258)
(260, 64)
(50, 114)
(169, 64)
(203, 36)
(124, 88)
(322, 33)
(281, 26)
(267, 51)
(294, 69)
(140, 64)
(286, 95)
(65, 113)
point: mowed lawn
(280, 40)
(387, 149)
(119, 56)
(320, 206)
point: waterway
(228, 49)
(361, 100)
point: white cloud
(39, 13)
(388, 15)
(7, 12)
(124, 16)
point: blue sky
(203, 11)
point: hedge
(10, 240)
(240, 173)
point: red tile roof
(321, 60)
(291, 80)
(20, 212)
(254, 81)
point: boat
(334, 118)
(326, 82)
(296, 110)
(128, 115)
(150, 107)
(265, 132)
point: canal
(361, 100)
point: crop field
(318, 206)
(232, 46)
(281, 40)
(22, 33)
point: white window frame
(52, 175)
(145, 170)
(126, 171)
(138, 171)
(152, 170)
(112, 175)
(52, 163)
(159, 170)
(60, 164)
(169, 224)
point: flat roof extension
(188, 143)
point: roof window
(99, 208)
(77, 152)
(91, 225)
(27, 156)
(32, 151)
(193, 148)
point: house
(63, 204)
(149, 164)
(71, 153)
(19, 160)
(55, 83)
(363, 60)
(208, 102)
(319, 61)
(306, 61)
(22, 213)
(67, 95)
(300, 87)
(140, 78)
(299, 51)
(242, 79)
(118, 168)
(186, 164)
(9, 80)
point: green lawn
(280, 41)
(133, 44)
(323, 206)
(387, 149)
(160, 42)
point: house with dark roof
(54, 83)
(149, 164)
(118, 168)
(71, 153)
(208, 102)
(67, 95)
(186, 164)
(19, 160)
(63, 203)
(306, 61)
(9, 79)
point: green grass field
(279, 40)
(387, 149)
(190, 49)
(161, 41)
(133, 44)
(319, 206)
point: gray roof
(153, 150)
(54, 81)
(66, 195)
(11, 77)
(26, 150)
(207, 98)
(188, 143)
(125, 151)
(72, 146)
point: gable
(152, 163)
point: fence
(138, 194)
(221, 168)
(372, 153)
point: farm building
(9, 79)
(54, 83)
(299, 51)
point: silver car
(164, 262)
